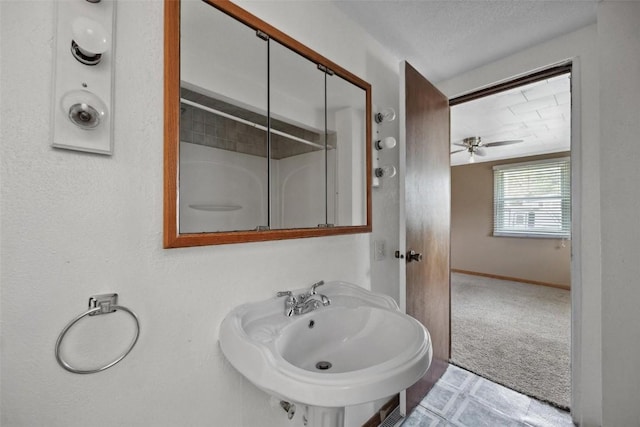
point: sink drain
(323, 365)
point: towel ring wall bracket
(104, 302)
(98, 305)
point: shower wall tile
(197, 127)
(198, 138)
(186, 135)
(201, 127)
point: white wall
(75, 224)
(619, 45)
(580, 46)
(345, 43)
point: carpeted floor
(513, 333)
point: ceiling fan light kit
(476, 147)
(472, 141)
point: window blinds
(532, 199)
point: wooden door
(428, 205)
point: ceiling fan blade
(497, 143)
(480, 152)
(460, 144)
(457, 151)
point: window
(532, 199)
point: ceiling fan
(475, 146)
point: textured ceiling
(442, 39)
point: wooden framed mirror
(265, 139)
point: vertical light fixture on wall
(385, 115)
(387, 171)
(82, 106)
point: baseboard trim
(513, 279)
(386, 409)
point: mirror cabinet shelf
(265, 139)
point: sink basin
(358, 349)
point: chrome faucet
(304, 302)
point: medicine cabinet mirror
(265, 139)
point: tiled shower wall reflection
(202, 127)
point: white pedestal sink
(358, 349)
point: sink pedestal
(317, 416)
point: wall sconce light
(90, 40)
(386, 115)
(84, 109)
(389, 142)
(386, 172)
(83, 67)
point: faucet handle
(289, 303)
(325, 300)
(315, 285)
(284, 294)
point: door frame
(576, 217)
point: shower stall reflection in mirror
(223, 187)
(265, 141)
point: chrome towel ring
(98, 304)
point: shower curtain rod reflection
(250, 123)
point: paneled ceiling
(539, 114)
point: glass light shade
(84, 109)
(388, 143)
(386, 172)
(90, 35)
(386, 115)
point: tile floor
(463, 399)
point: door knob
(414, 256)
